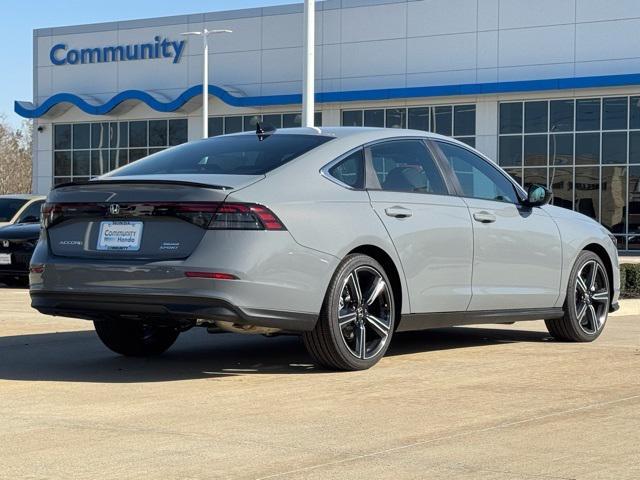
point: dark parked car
(17, 243)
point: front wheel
(134, 338)
(587, 303)
(357, 318)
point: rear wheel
(135, 338)
(357, 318)
(587, 304)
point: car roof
(344, 132)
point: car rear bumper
(162, 308)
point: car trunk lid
(135, 218)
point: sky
(20, 17)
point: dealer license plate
(120, 236)
(5, 259)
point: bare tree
(15, 157)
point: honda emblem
(114, 209)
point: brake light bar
(211, 275)
(209, 215)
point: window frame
(518, 190)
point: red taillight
(211, 215)
(211, 275)
(36, 269)
(244, 216)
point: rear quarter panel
(320, 214)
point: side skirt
(422, 321)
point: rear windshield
(231, 155)
(9, 207)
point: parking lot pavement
(496, 402)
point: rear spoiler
(142, 181)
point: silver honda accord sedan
(342, 235)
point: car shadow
(80, 357)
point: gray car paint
(290, 271)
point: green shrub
(630, 280)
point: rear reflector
(36, 269)
(211, 275)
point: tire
(587, 303)
(135, 338)
(346, 317)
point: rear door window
(407, 166)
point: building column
(487, 127)
(330, 117)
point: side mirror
(537, 196)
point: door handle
(484, 217)
(398, 212)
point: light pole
(205, 75)
(308, 72)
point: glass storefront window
(86, 150)
(614, 196)
(588, 114)
(535, 150)
(561, 184)
(220, 125)
(614, 113)
(419, 118)
(374, 118)
(593, 149)
(511, 117)
(456, 120)
(441, 120)
(510, 151)
(561, 115)
(536, 117)
(587, 191)
(587, 148)
(535, 176)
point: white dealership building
(550, 89)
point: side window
(350, 170)
(477, 177)
(32, 213)
(407, 166)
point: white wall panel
(487, 49)
(246, 35)
(607, 40)
(281, 65)
(282, 31)
(534, 46)
(374, 23)
(527, 13)
(442, 52)
(386, 57)
(436, 17)
(598, 10)
(229, 68)
(488, 14)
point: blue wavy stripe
(327, 97)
